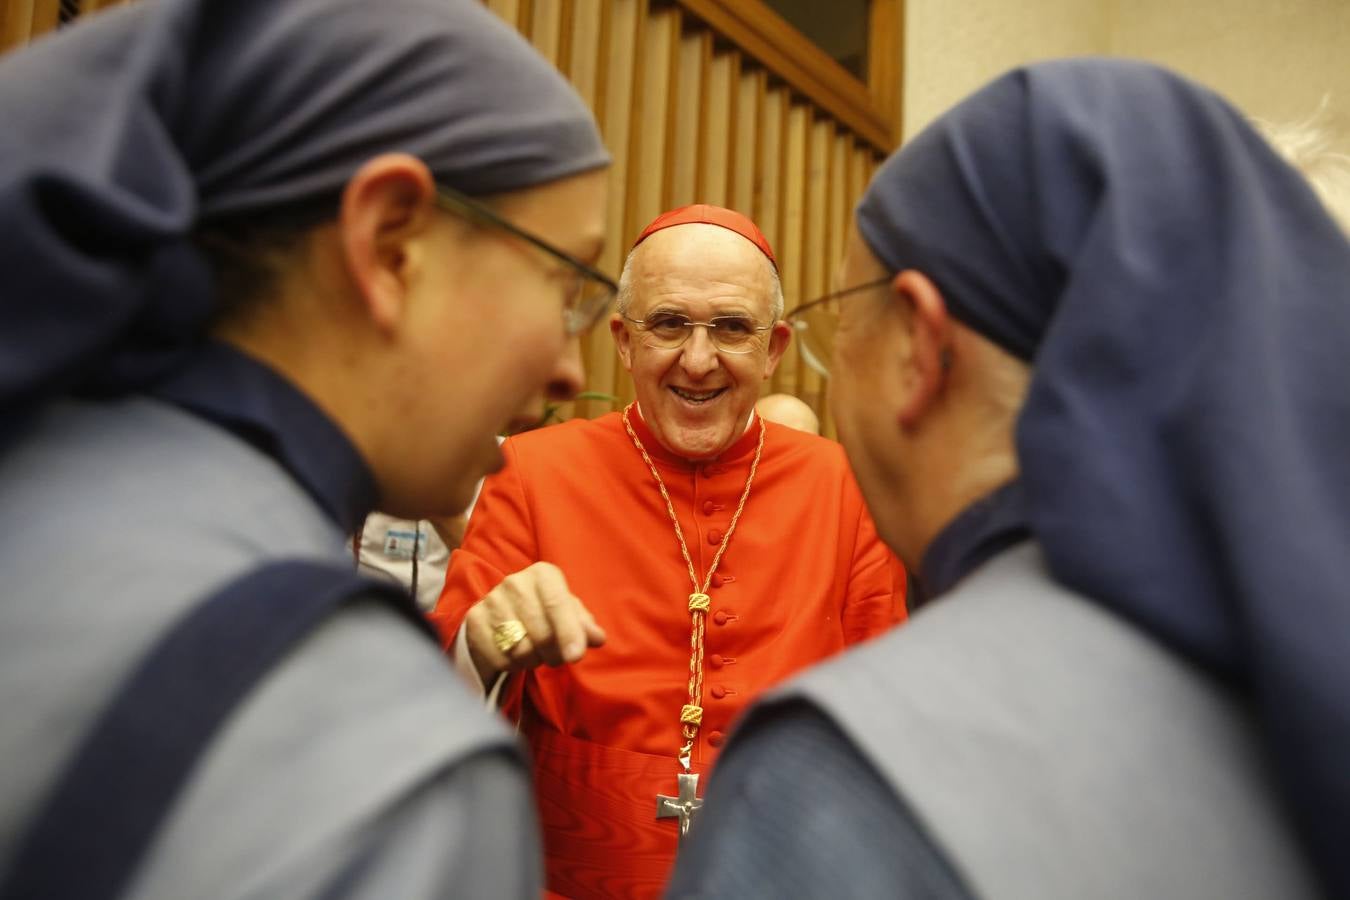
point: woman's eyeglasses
(816, 323)
(589, 292)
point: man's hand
(558, 627)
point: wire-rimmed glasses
(587, 296)
(816, 323)
(670, 330)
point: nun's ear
(386, 206)
(930, 354)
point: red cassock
(804, 576)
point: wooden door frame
(871, 109)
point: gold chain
(691, 716)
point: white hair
(1307, 146)
(625, 296)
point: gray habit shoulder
(794, 810)
(1047, 749)
(358, 768)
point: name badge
(399, 543)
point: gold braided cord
(691, 716)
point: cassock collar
(255, 403)
(982, 530)
(743, 447)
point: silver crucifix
(684, 806)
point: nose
(569, 375)
(698, 357)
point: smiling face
(422, 333)
(695, 398)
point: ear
(930, 343)
(387, 207)
(623, 340)
(779, 338)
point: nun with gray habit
(267, 266)
(1092, 368)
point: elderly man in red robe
(629, 584)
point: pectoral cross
(684, 806)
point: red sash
(597, 806)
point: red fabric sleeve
(875, 601)
(499, 540)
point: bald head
(786, 409)
(708, 259)
(696, 386)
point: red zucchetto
(706, 213)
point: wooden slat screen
(23, 20)
(689, 116)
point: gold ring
(508, 634)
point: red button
(716, 661)
(714, 537)
(709, 507)
(716, 739)
(718, 692)
(712, 471)
(718, 581)
(720, 617)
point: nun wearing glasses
(266, 267)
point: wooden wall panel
(838, 218)
(545, 28)
(887, 20)
(23, 20)
(619, 48)
(745, 174)
(791, 247)
(841, 205)
(619, 44)
(686, 101)
(582, 54)
(791, 56)
(653, 117)
(717, 127)
(816, 261)
(768, 177)
(860, 172)
(580, 49)
(509, 10)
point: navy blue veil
(124, 133)
(1184, 449)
